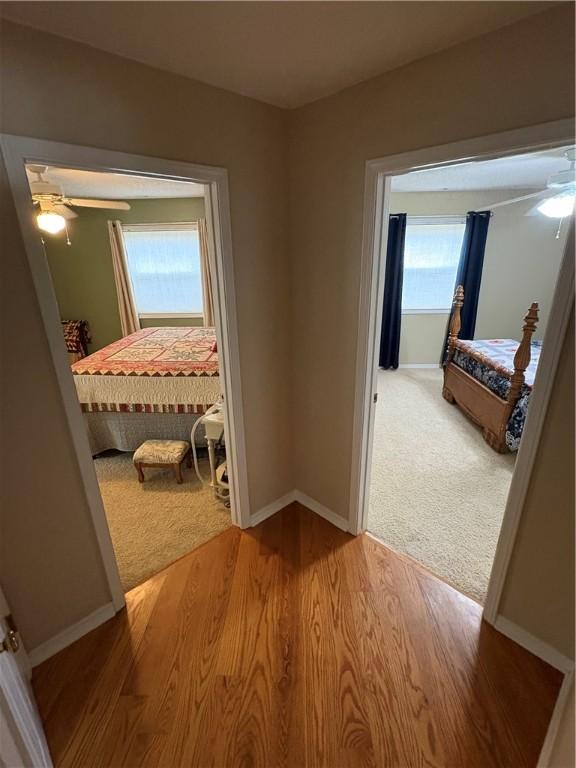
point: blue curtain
(469, 274)
(392, 304)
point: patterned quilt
(491, 361)
(154, 370)
(499, 355)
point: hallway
(294, 644)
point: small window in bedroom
(164, 266)
(431, 255)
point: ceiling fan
(557, 200)
(54, 204)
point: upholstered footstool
(162, 453)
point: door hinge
(375, 397)
(11, 641)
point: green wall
(82, 273)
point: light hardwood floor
(294, 644)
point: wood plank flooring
(294, 644)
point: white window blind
(431, 256)
(164, 266)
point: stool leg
(140, 473)
(178, 472)
(189, 459)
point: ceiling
(530, 171)
(116, 186)
(283, 53)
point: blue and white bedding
(491, 362)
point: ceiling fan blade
(541, 193)
(47, 206)
(86, 202)
(64, 211)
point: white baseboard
(562, 702)
(71, 634)
(538, 647)
(272, 508)
(320, 509)
(306, 501)
(419, 365)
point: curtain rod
(438, 215)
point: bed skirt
(126, 431)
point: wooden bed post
(521, 362)
(455, 322)
(522, 356)
(453, 331)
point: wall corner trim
(270, 509)
(320, 509)
(71, 634)
(306, 501)
(538, 647)
(557, 715)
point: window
(431, 255)
(164, 266)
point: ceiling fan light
(557, 207)
(50, 222)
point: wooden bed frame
(479, 403)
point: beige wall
(539, 589)
(56, 89)
(521, 264)
(421, 338)
(490, 84)
(50, 565)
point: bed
(491, 380)
(154, 383)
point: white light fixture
(50, 222)
(558, 207)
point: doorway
(439, 476)
(131, 273)
(379, 194)
(20, 152)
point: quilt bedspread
(498, 354)
(156, 370)
(492, 363)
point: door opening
(402, 464)
(158, 284)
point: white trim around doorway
(377, 189)
(17, 151)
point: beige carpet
(438, 491)
(156, 522)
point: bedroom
(444, 450)
(130, 267)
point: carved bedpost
(455, 321)
(522, 356)
(453, 331)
